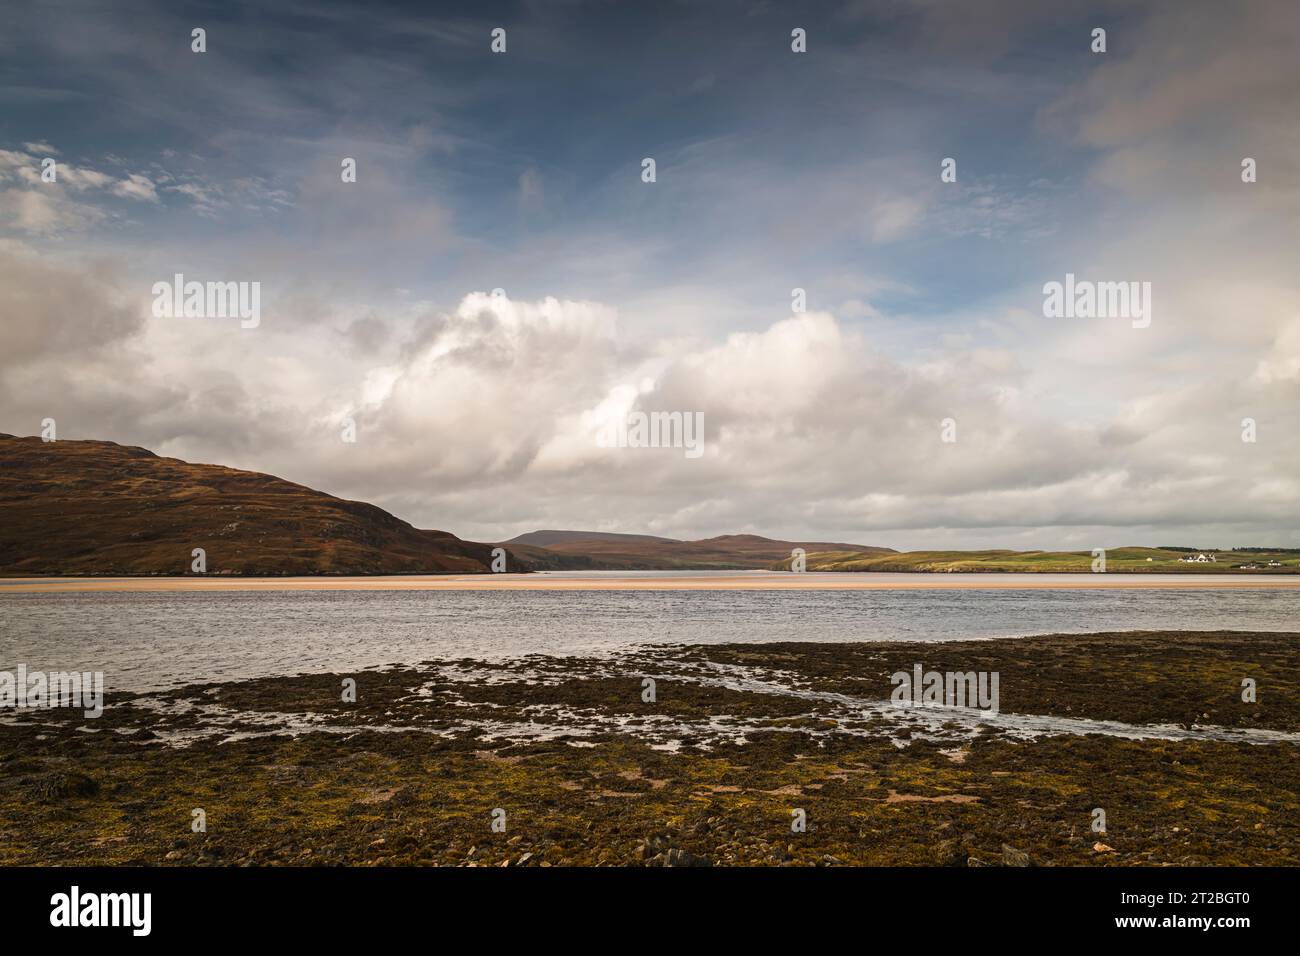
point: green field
(1156, 560)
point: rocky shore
(761, 754)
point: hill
(606, 551)
(96, 507)
(1130, 560)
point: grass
(1129, 559)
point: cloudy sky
(775, 170)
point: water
(154, 640)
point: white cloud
(45, 213)
(1281, 363)
(31, 206)
(482, 419)
(136, 186)
(476, 414)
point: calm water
(151, 640)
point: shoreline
(656, 581)
(738, 737)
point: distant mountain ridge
(609, 551)
(96, 507)
(544, 539)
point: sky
(500, 279)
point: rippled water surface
(150, 640)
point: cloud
(68, 348)
(1182, 71)
(476, 411)
(36, 213)
(1281, 364)
(895, 218)
(136, 186)
(31, 206)
(206, 199)
(483, 419)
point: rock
(679, 857)
(1013, 857)
(1102, 848)
(975, 861)
(59, 784)
(523, 859)
(676, 856)
(173, 855)
(405, 797)
(949, 853)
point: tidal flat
(687, 755)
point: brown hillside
(95, 507)
(585, 550)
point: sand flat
(617, 581)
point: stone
(1013, 857)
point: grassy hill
(95, 507)
(1161, 560)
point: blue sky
(775, 170)
(769, 161)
